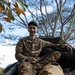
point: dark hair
(32, 23)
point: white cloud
(48, 8)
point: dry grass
(1, 70)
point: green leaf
(13, 18)
(1, 27)
(24, 4)
(18, 13)
(6, 4)
(20, 5)
(9, 14)
(16, 5)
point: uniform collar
(31, 41)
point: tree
(51, 23)
(9, 11)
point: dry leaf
(19, 10)
(7, 20)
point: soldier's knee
(56, 55)
(24, 68)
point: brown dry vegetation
(1, 70)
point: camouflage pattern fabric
(25, 68)
(26, 47)
(31, 48)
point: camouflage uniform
(27, 48)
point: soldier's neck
(32, 37)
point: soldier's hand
(67, 47)
(30, 59)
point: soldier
(28, 50)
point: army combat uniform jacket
(30, 48)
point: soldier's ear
(37, 30)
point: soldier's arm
(54, 46)
(48, 44)
(19, 51)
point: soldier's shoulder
(23, 38)
(40, 39)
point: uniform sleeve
(47, 43)
(19, 51)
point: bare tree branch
(70, 16)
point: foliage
(8, 8)
(54, 22)
(0, 28)
(51, 23)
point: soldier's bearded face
(32, 30)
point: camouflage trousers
(27, 68)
